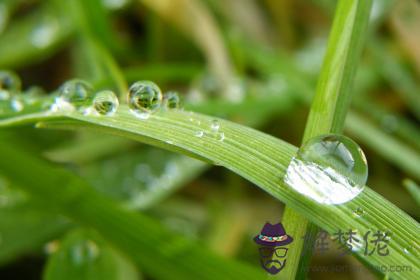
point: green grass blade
(19, 215)
(413, 189)
(23, 44)
(159, 252)
(258, 157)
(329, 106)
(84, 255)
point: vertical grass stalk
(328, 110)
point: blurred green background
(253, 62)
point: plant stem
(329, 107)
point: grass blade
(258, 157)
(330, 104)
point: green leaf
(413, 189)
(19, 215)
(84, 255)
(258, 157)
(159, 252)
(143, 177)
(330, 104)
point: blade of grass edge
(328, 111)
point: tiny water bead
(105, 102)
(199, 134)
(9, 84)
(358, 212)
(215, 125)
(330, 169)
(171, 100)
(144, 97)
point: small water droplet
(220, 136)
(144, 98)
(407, 251)
(10, 84)
(16, 105)
(85, 251)
(105, 102)
(171, 100)
(199, 134)
(33, 94)
(329, 169)
(215, 125)
(72, 95)
(358, 212)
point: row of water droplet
(144, 98)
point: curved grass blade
(258, 157)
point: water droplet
(220, 136)
(16, 105)
(72, 94)
(358, 212)
(105, 103)
(199, 134)
(33, 94)
(144, 97)
(171, 100)
(85, 251)
(329, 169)
(9, 84)
(215, 125)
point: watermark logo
(272, 241)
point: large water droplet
(144, 97)
(72, 94)
(9, 84)
(105, 102)
(329, 169)
(171, 100)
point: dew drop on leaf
(72, 95)
(105, 103)
(9, 84)
(16, 104)
(215, 125)
(330, 169)
(171, 100)
(144, 98)
(199, 134)
(84, 252)
(358, 212)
